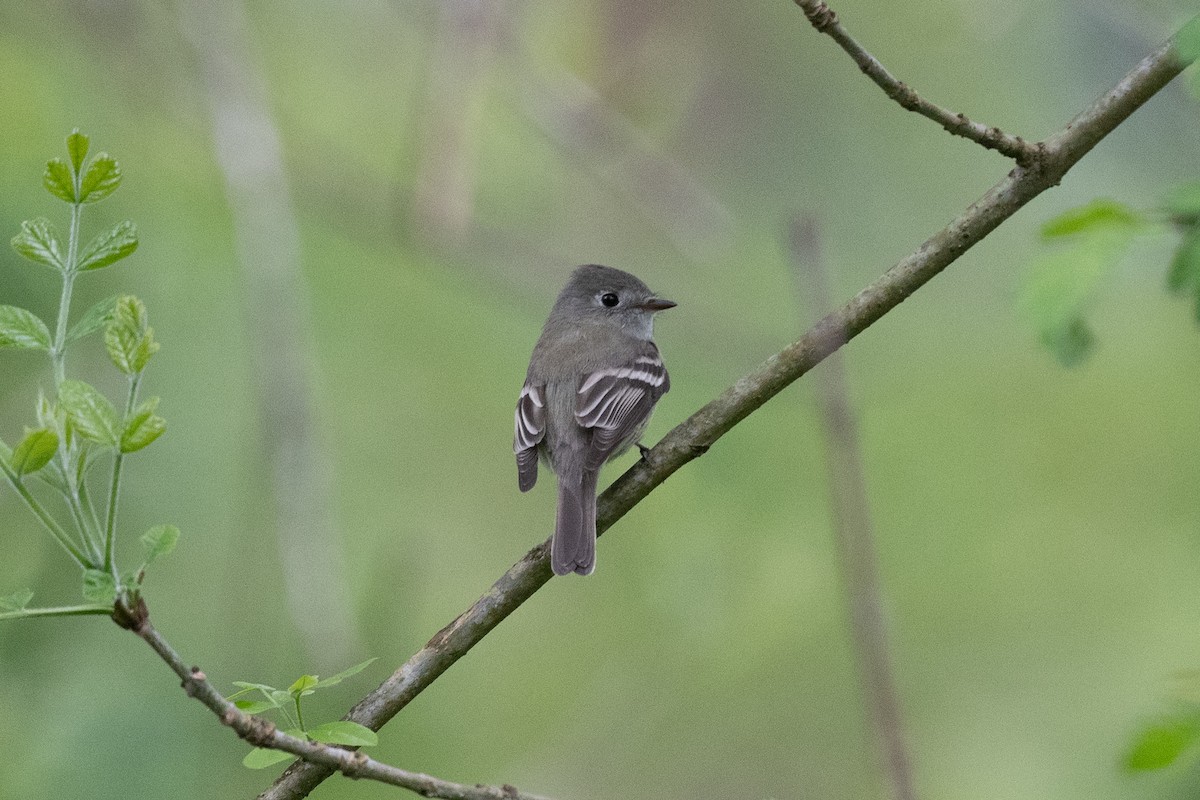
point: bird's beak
(657, 304)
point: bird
(594, 378)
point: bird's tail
(574, 546)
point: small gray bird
(592, 383)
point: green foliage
(1095, 237)
(1102, 214)
(22, 330)
(34, 451)
(1164, 741)
(77, 424)
(38, 242)
(17, 601)
(109, 247)
(90, 413)
(129, 338)
(288, 704)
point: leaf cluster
(288, 704)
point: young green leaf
(1101, 213)
(21, 329)
(90, 413)
(98, 586)
(77, 149)
(262, 687)
(58, 180)
(1161, 744)
(102, 178)
(128, 338)
(1184, 275)
(255, 706)
(262, 757)
(346, 673)
(109, 247)
(17, 601)
(158, 541)
(344, 732)
(34, 451)
(1061, 283)
(37, 242)
(96, 318)
(304, 685)
(142, 427)
(1183, 201)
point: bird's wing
(530, 428)
(615, 403)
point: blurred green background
(433, 171)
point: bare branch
(853, 532)
(262, 733)
(825, 20)
(695, 435)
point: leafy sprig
(77, 426)
(288, 704)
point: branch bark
(1053, 158)
(262, 733)
(825, 20)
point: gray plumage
(593, 379)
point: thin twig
(853, 531)
(262, 733)
(695, 435)
(825, 20)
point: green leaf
(96, 318)
(1187, 41)
(1183, 201)
(1184, 275)
(128, 338)
(102, 178)
(1071, 344)
(344, 732)
(1061, 283)
(262, 687)
(304, 685)
(77, 149)
(109, 247)
(346, 673)
(1101, 213)
(158, 541)
(21, 329)
(17, 601)
(142, 427)
(90, 413)
(262, 757)
(280, 697)
(1161, 743)
(34, 451)
(98, 586)
(37, 242)
(58, 180)
(255, 706)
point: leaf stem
(110, 525)
(299, 714)
(58, 355)
(51, 525)
(57, 611)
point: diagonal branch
(695, 435)
(263, 733)
(825, 20)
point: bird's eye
(609, 299)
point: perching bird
(593, 379)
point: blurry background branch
(695, 435)
(850, 514)
(249, 152)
